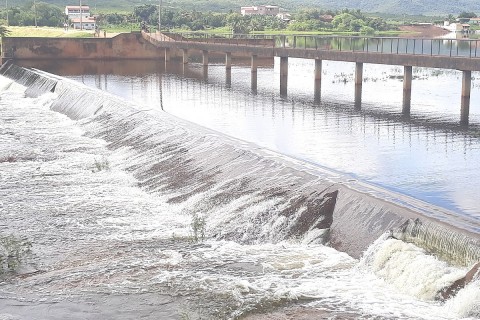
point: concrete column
(254, 64)
(228, 78)
(283, 76)
(358, 73)
(358, 85)
(185, 56)
(318, 69)
(407, 89)
(167, 55)
(205, 73)
(466, 89)
(283, 66)
(318, 80)
(205, 57)
(228, 60)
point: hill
(426, 7)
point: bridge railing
(469, 48)
(388, 45)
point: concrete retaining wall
(122, 46)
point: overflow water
(112, 195)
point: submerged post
(407, 89)
(318, 80)
(358, 84)
(228, 60)
(254, 67)
(466, 90)
(283, 75)
(185, 56)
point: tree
(467, 15)
(3, 31)
(237, 23)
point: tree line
(43, 14)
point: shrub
(13, 252)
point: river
(115, 198)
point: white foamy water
(103, 247)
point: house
(87, 23)
(474, 20)
(80, 17)
(456, 27)
(74, 12)
(260, 10)
(285, 16)
(326, 18)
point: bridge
(456, 54)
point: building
(74, 12)
(80, 17)
(285, 16)
(87, 23)
(474, 20)
(456, 27)
(260, 10)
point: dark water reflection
(426, 155)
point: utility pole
(160, 16)
(6, 6)
(81, 16)
(35, 10)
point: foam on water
(124, 230)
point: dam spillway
(99, 231)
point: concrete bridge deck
(457, 54)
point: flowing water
(115, 196)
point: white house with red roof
(80, 17)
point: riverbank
(423, 31)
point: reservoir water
(112, 188)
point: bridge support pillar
(254, 68)
(228, 78)
(205, 58)
(358, 84)
(318, 80)
(185, 56)
(228, 60)
(466, 90)
(283, 75)
(407, 89)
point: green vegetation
(198, 226)
(312, 20)
(101, 165)
(425, 7)
(13, 252)
(51, 15)
(225, 18)
(46, 15)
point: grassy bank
(48, 32)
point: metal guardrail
(466, 48)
